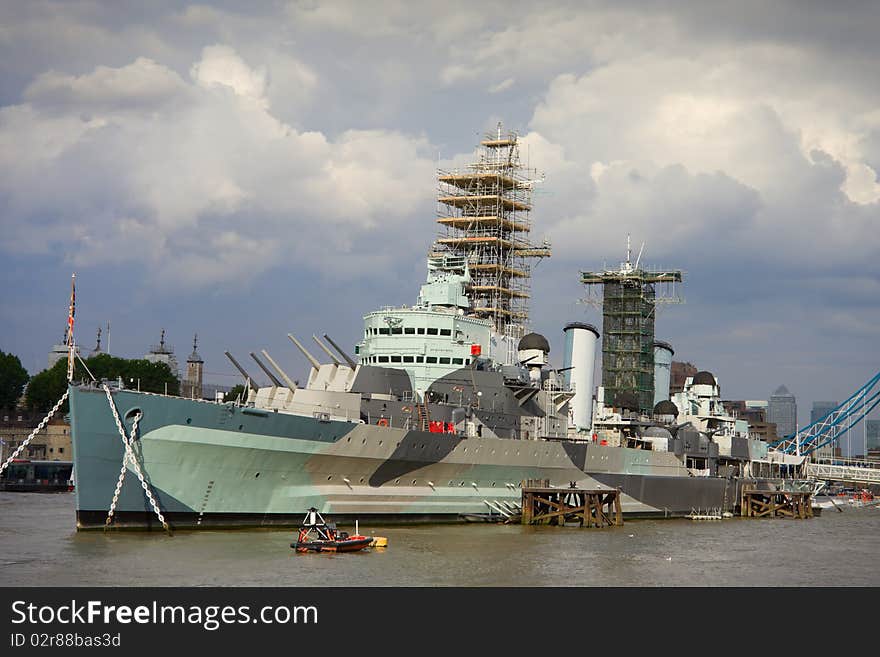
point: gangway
(844, 470)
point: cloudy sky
(245, 173)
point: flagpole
(70, 341)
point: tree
(13, 377)
(233, 394)
(48, 386)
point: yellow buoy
(379, 541)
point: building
(51, 444)
(820, 410)
(755, 413)
(192, 384)
(678, 374)
(782, 411)
(872, 434)
(162, 354)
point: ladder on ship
(424, 420)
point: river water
(39, 546)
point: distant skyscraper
(821, 409)
(872, 428)
(782, 411)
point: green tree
(13, 377)
(48, 386)
(233, 394)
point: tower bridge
(829, 429)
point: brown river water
(39, 546)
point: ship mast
(628, 297)
(484, 212)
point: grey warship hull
(220, 465)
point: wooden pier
(544, 505)
(776, 503)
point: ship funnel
(326, 350)
(290, 384)
(347, 358)
(662, 370)
(272, 377)
(305, 353)
(247, 377)
(579, 363)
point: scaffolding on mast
(484, 214)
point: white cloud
(221, 66)
(201, 182)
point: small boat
(316, 535)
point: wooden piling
(544, 505)
(776, 503)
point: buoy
(379, 541)
(382, 422)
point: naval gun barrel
(326, 350)
(305, 353)
(290, 384)
(247, 377)
(347, 358)
(271, 376)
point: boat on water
(37, 476)
(441, 413)
(317, 535)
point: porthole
(240, 427)
(189, 420)
(380, 443)
(257, 476)
(397, 481)
(361, 480)
(330, 477)
(414, 482)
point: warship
(444, 410)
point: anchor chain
(39, 428)
(137, 468)
(122, 471)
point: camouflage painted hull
(215, 465)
